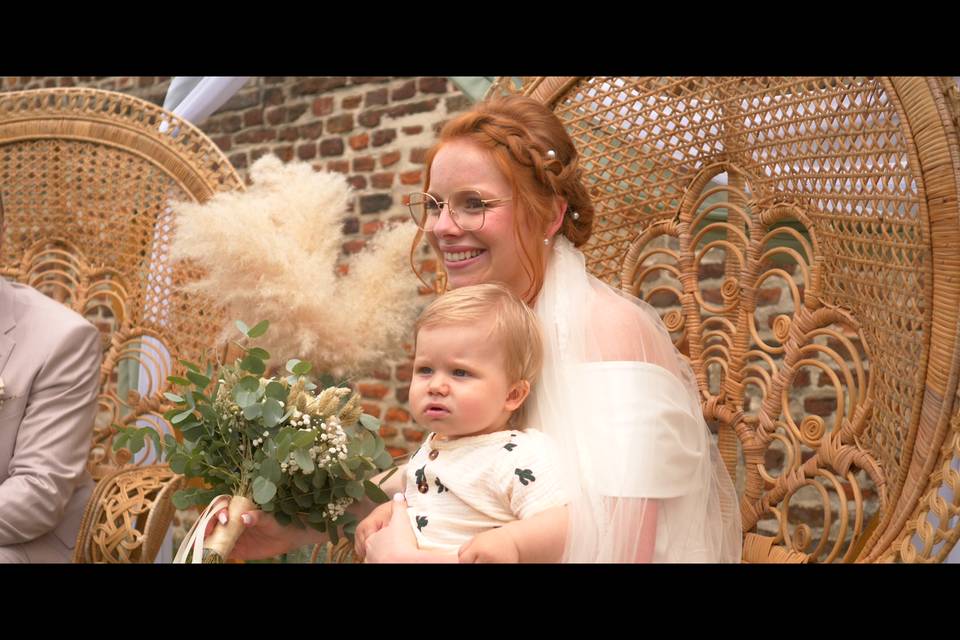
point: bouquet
(281, 443)
(301, 452)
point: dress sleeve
(646, 441)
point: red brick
(411, 177)
(360, 142)
(389, 158)
(365, 163)
(388, 432)
(377, 391)
(712, 296)
(317, 85)
(224, 142)
(384, 136)
(239, 160)
(396, 414)
(411, 108)
(273, 96)
(404, 91)
(820, 406)
(403, 372)
(402, 394)
(432, 84)
(285, 153)
(253, 117)
(323, 106)
(370, 228)
(288, 134)
(342, 123)
(339, 166)
(256, 135)
(418, 155)
(375, 98)
(358, 182)
(380, 374)
(331, 147)
(342, 269)
(294, 112)
(413, 435)
(350, 225)
(276, 115)
(768, 296)
(458, 103)
(311, 131)
(382, 180)
(397, 452)
(356, 246)
(211, 126)
(802, 379)
(256, 154)
(145, 81)
(371, 409)
(274, 79)
(710, 270)
(369, 79)
(370, 118)
(307, 151)
(230, 124)
(351, 103)
(428, 266)
(412, 131)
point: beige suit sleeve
(53, 439)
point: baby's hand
(378, 519)
(495, 545)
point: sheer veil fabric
(623, 407)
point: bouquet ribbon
(196, 536)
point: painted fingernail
(246, 518)
(222, 518)
(398, 497)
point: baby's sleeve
(530, 475)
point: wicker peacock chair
(838, 196)
(86, 177)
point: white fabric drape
(624, 408)
(195, 98)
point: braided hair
(519, 134)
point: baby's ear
(518, 393)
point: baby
(478, 351)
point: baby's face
(459, 387)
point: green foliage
(247, 438)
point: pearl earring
(546, 241)
(575, 215)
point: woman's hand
(263, 537)
(496, 545)
(394, 542)
(377, 520)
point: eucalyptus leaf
(355, 490)
(252, 411)
(293, 362)
(190, 365)
(244, 329)
(319, 478)
(304, 502)
(302, 368)
(384, 460)
(301, 482)
(374, 492)
(272, 412)
(180, 417)
(178, 463)
(303, 460)
(197, 378)
(172, 397)
(263, 490)
(248, 383)
(369, 422)
(121, 439)
(257, 352)
(304, 438)
(244, 398)
(177, 380)
(253, 365)
(183, 499)
(276, 391)
(314, 516)
(259, 329)
(270, 469)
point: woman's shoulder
(623, 328)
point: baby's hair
(515, 326)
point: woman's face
(491, 253)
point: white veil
(624, 408)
